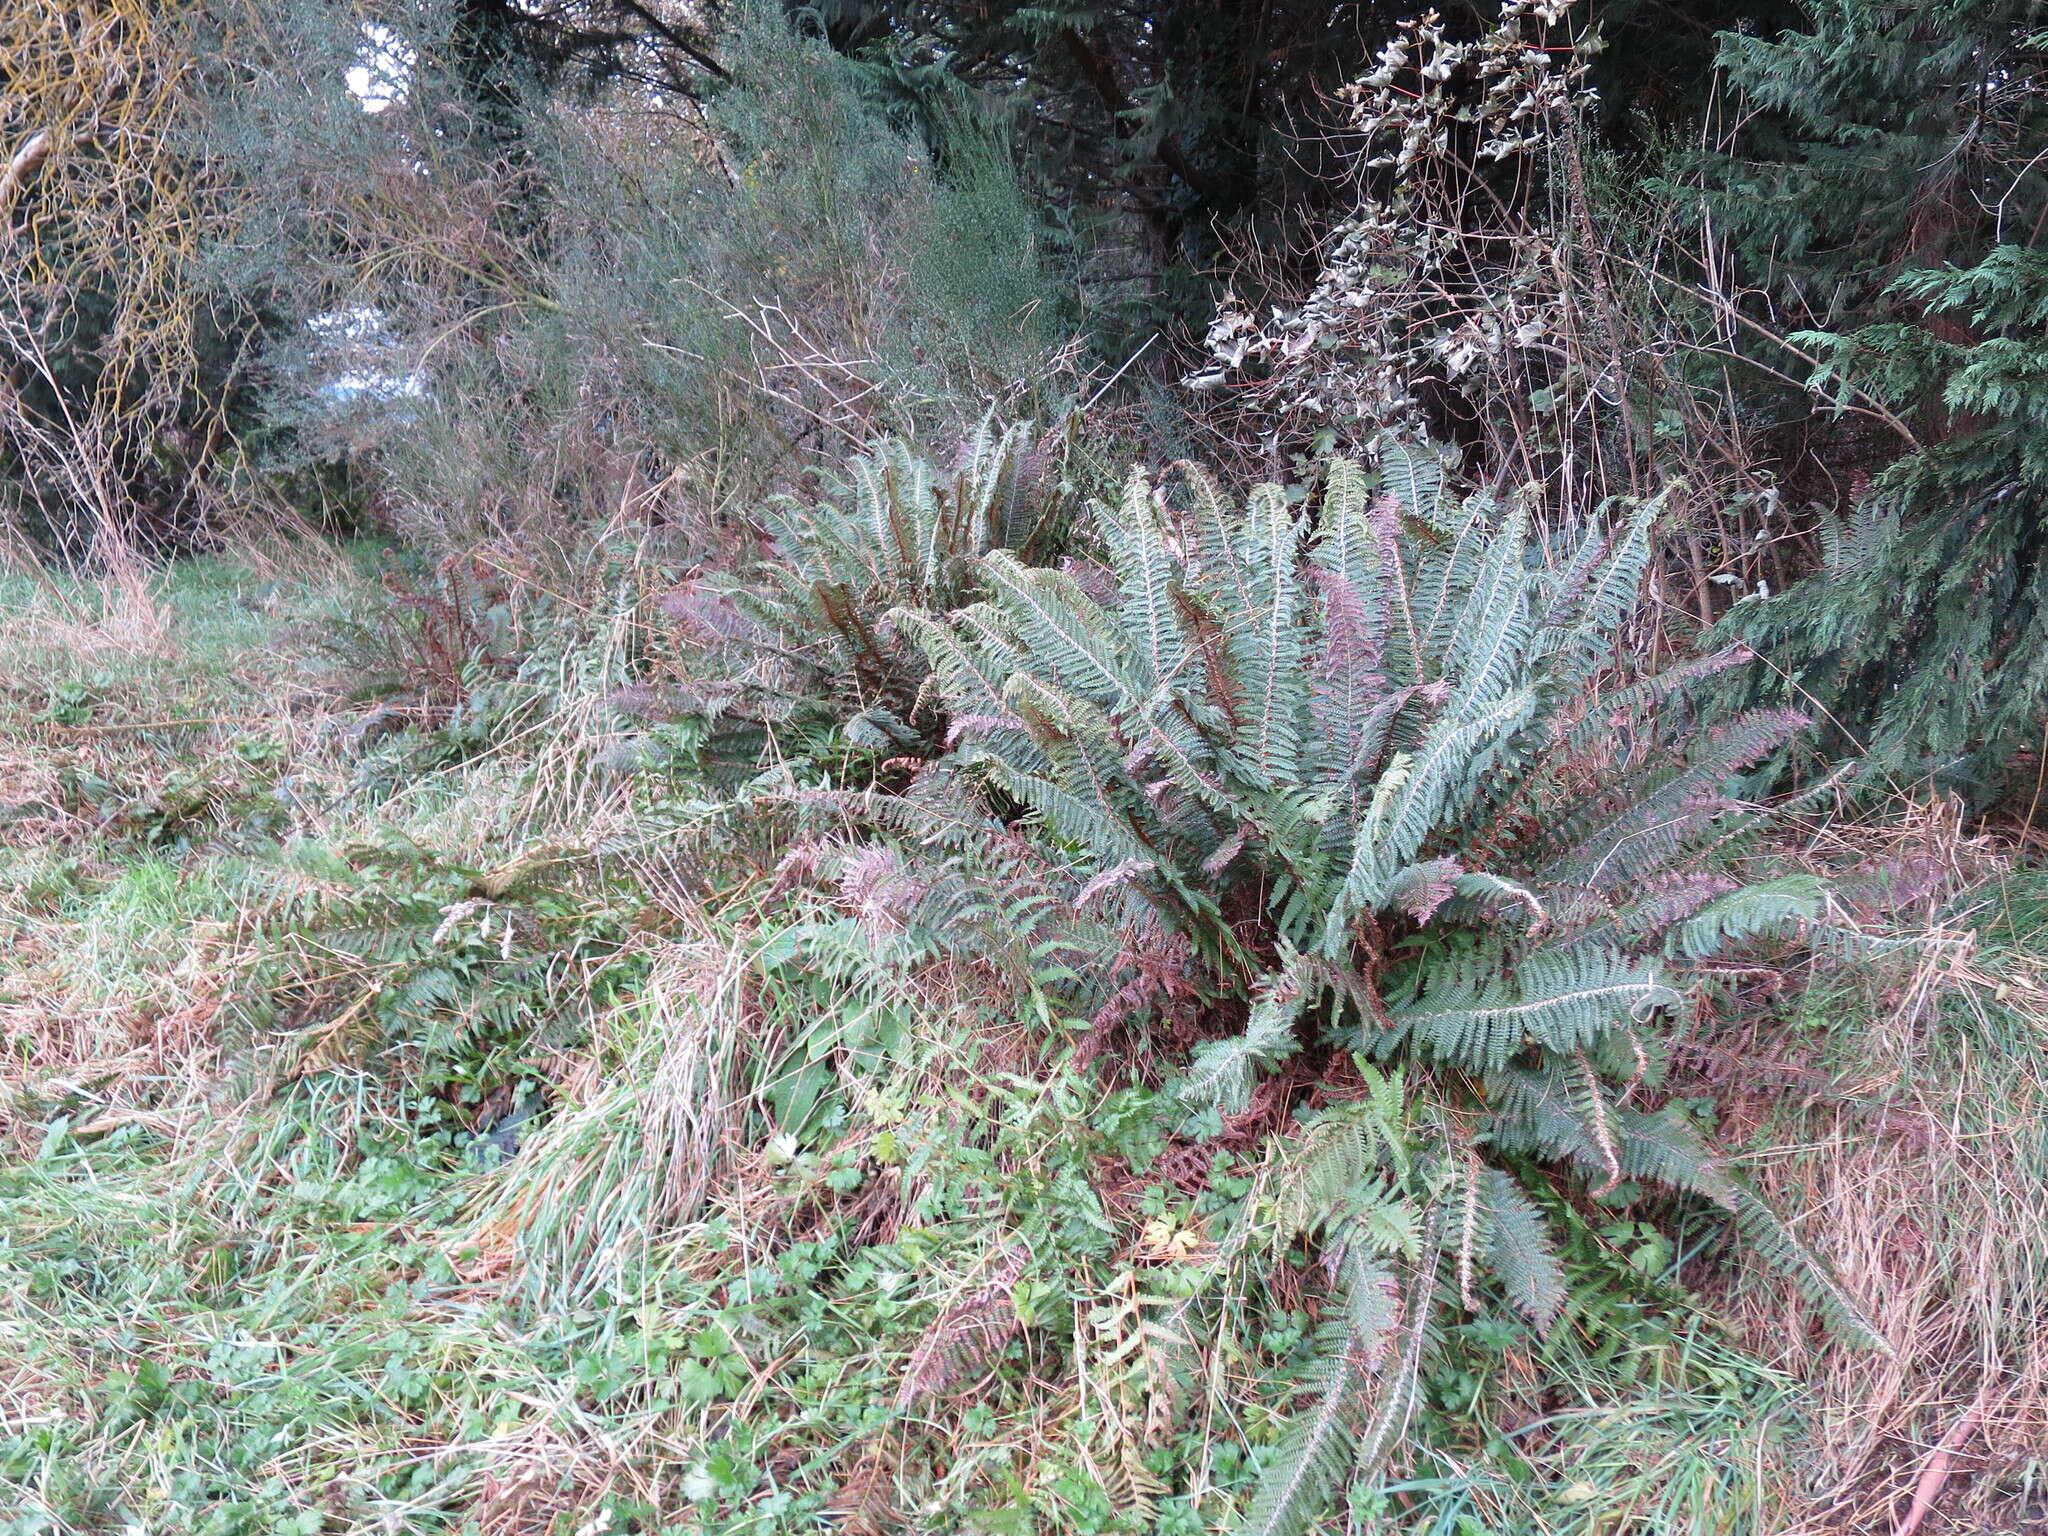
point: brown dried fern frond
(969, 1336)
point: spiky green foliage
(808, 626)
(802, 277)
(897, 529)
(1883, 136)
(1329, 737)
(1883, 193)
(1365, 1394)
(1358, 760)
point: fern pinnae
(1218, 563)
(985, 625)
(1412, 476)
(1467, 1172)
(1361, 880)
(1473, 1015)
(1398, 579)
(1663, 1147)
(1645, 695)
(1273, 666)
(1592, 1101)
(965, 673)
(1784, 1250)
(1209, 642)
(1600, 590)
(1342, 1433)
(1484, 885)
(1061, 623)
(1081, 742)
(1347, 681)
(804, 542)
(1309, 1459)
(1636, 835)
(1447, 572)
(1771, 907)
(1223, 1072)
(1072, 818)
(1146, 575)
(1564, 603)
(1494, 626)
(1376, 729)
(1521, 1255)
(1347, 544)
(876, 486)
(1398, 832)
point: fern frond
(1367, 1393)
(1445, 572)
(1222, 1072)
(1063, 626)
(1421, 888)
(971, 679)
(1348, 683)
(1490, 647)
(1394, 830)
(1470, 1014)
(1270, 662)
(1348, 542)
(1595, 599)
(1413, 475)
(1772, 907)
(1634, 832)
(1520, 1252)
(1217, 530)
(1071, 818)
(1664, 1147)
(1342, 1167)
(1534, 1111)
(1146, 577)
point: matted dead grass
(1912, 1152)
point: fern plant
(896, 530)
(1359, 762)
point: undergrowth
(442, 1097)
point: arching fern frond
(1476, 1013)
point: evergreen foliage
(1884, 196)
(756, 977)
(1923, 637)
(897, 530)
(1884, 137)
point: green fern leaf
(1367, 1392)
(1472, 1015)
(1520, 1251)
(1773, 907)
(1222, 1072)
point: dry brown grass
(1910, 1139)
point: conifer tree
(1884, 199)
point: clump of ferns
(1357, 759)
(896, 529)
(936, 875)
